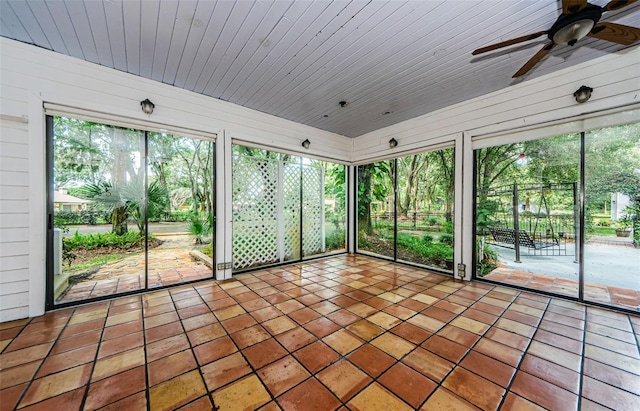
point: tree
(371, 187)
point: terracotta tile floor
(339, 333)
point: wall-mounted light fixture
(583, 94)
(147, 106)
(393, 143)
(306, 143)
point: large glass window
(130, 210)
(406, 208)
(552, 215)
(285, 208)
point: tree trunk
(119, 221)
(364, 199)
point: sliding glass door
(128, 210)
(557, 215)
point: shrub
(447, 238)
(427, 238)
(98, 240)
(335, 240)
(447, 227)
(433, 221)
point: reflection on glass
(376, 208)
(527, 214)
(612, 208)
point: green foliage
(436, 253)
(89, 217)
(485, 214)
(447, 238)
(432, 221)
(201, 226)
(335, 240)
(97, 261)
(427, 238)
(208, 250)
(487, 258)
(103, 240)
(447, 227)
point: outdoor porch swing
(513, 236)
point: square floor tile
(225, 370)
(321, 327)
(543, 393)
(371, 360)
(365, 329)
(282, 375)
(308, 396)
(343, 341)
(295, 338)
(377, 398)
(393, 345)
(115, 388)
(316, 356)
(170, 366)
(407, 384)
(245, 394)
(428, 364)
(489, 368)
(343, 379)
(264, 353)
(213, 350)
(474, 388)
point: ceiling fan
(578, 19)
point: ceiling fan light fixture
(573, 32)
(583, 94)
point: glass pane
(612, 204)
(323, 207)
(526, 214)
(335, 211)
(376, 204)
(426, 185)
(99, 210)
(180, 209)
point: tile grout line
(458, 363)
(209, 393)
(43, 359)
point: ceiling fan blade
(535, 59)
(509, 42)
(573, 6)
(616, 33)
(617, 4)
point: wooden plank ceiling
(391, 60)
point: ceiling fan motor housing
(569, 28)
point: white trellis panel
(290, 203)
(312, 210)
(267, 207)
(255, 222)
